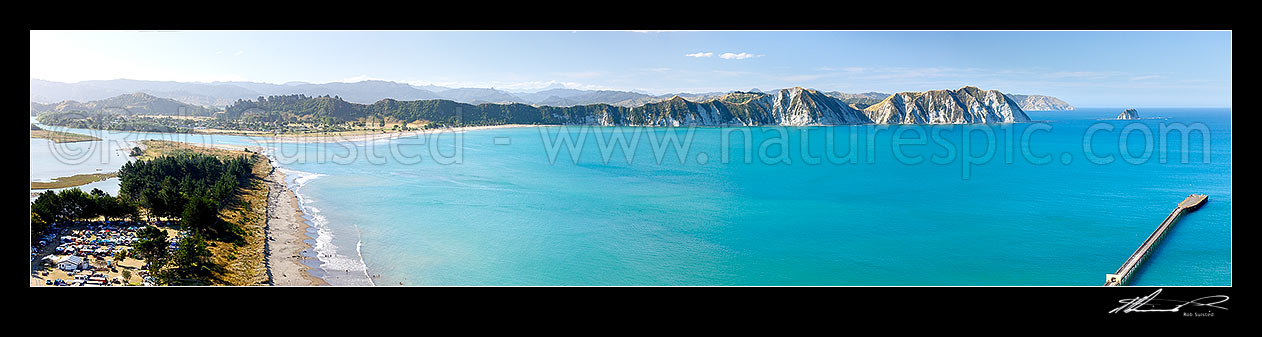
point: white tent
(70, 262)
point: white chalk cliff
(965, 105)
(806, 107)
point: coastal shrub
(38, 226)
(152, 247)
(192, 261)
(201, 215)
(166, 184)
(192, 187)
(73, 204)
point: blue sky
(1139, 69)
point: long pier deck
(1123, 274)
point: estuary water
(1059, 202)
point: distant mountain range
(221, 94)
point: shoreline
(368, 137)
(60, 137)
(286, 236)
(322, 138)
(77, 180)
(353, 136)
(330, 265)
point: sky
(1084, 68)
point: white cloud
(238, 53)
(737, 56)
(700, 54)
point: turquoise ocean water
(500, 212)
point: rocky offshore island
(1129, 114)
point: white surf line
(359, 243)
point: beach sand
(286, 235)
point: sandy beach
(286, 235)
(286, 229)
